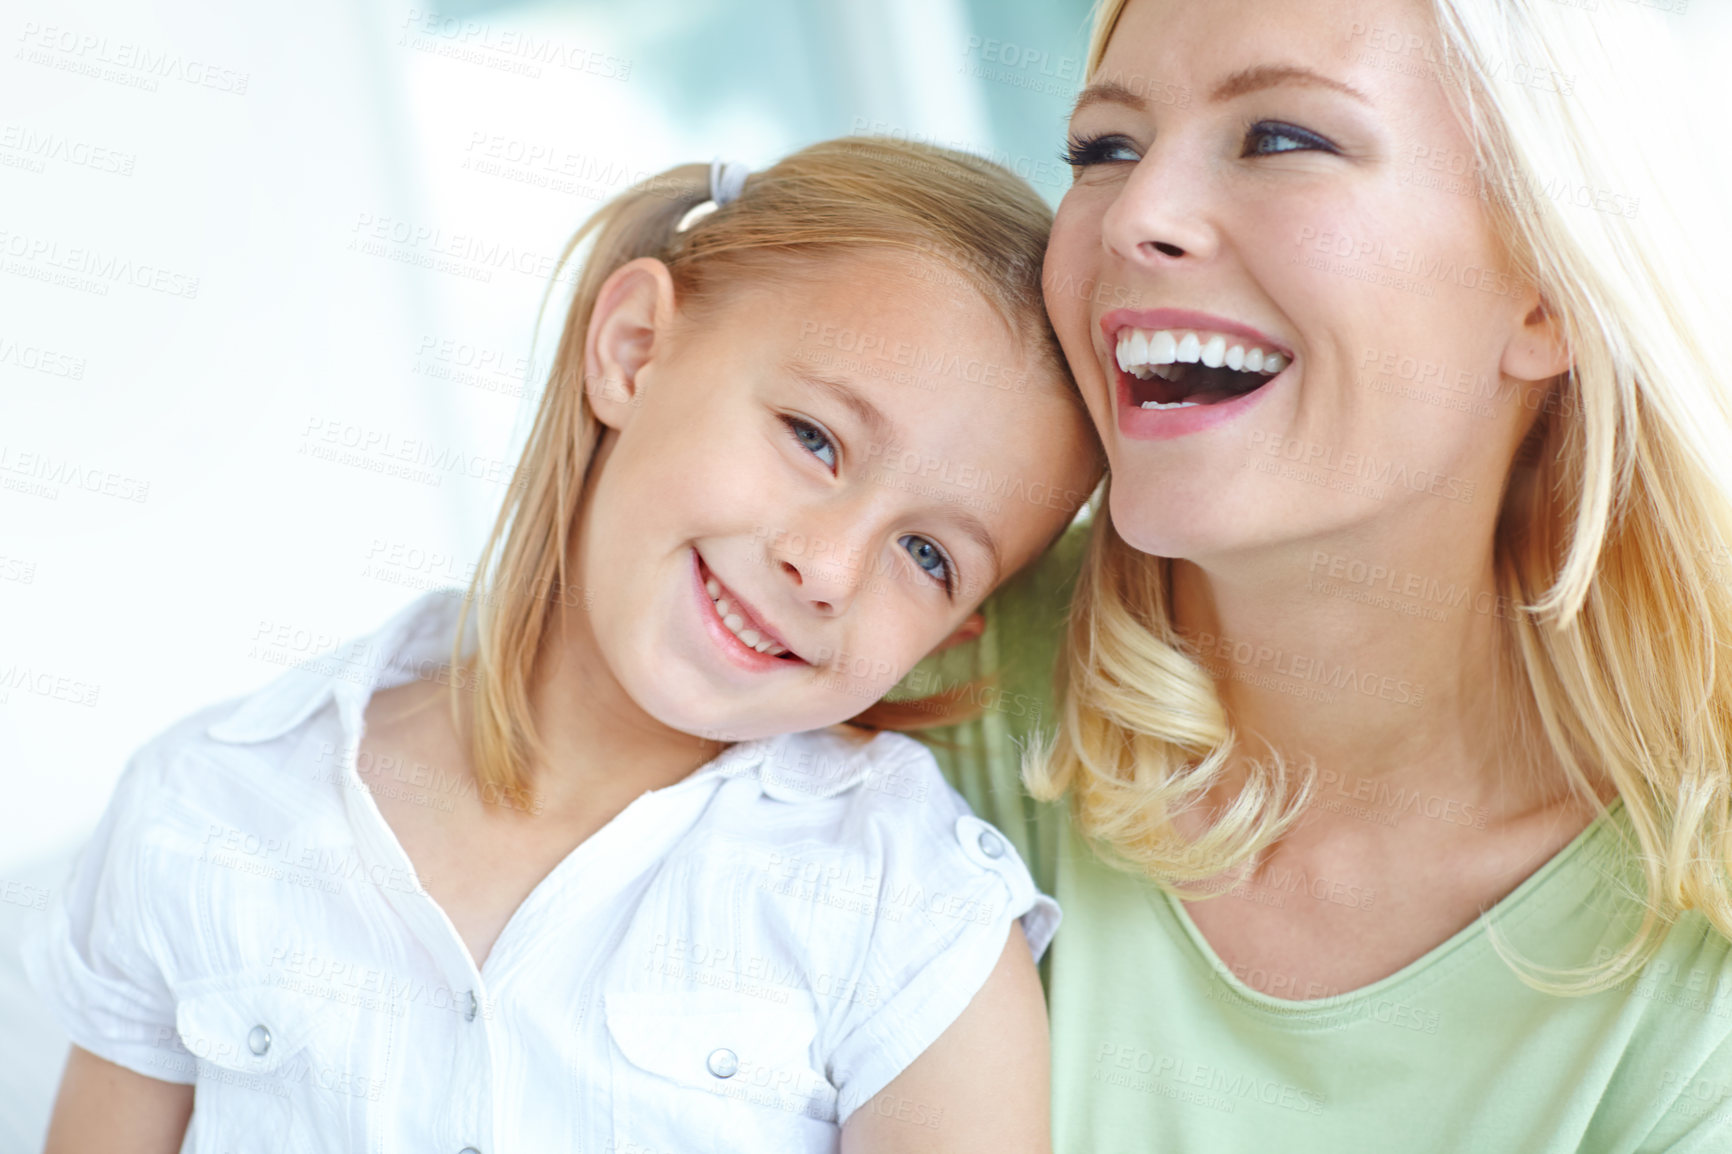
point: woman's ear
(629, 326)
(1538, 351)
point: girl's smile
(741, 635)
(765, 500)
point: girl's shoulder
(836, 854)
(265, 767)
(836, 908)
(877, 803)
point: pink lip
(732, 647)
(1118, 319)
(1140, 424)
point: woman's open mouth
(1187, 368)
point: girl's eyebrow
(976, 530)
(882, 431)
(880, 427)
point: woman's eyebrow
(1106, 92)
(1246, 80)
(1263, 76)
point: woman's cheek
(1073, 261)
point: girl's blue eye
(930, 558)
(1081, 152)
(813, 439)
(1271, 137)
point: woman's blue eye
(930, 558)
(1270, 137)
(813, 439)
(1080, 152)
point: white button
(469, 1150)
(473, 1006)
(990, 844)
(723, 1063)
(259, 1040)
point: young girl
(585, 860)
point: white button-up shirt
(736, 961)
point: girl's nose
(827, 584)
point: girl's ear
(971, 628)
(628, 326)
(1538, 351)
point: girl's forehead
(911, 308)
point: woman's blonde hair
(1613, 547)
(968, 220)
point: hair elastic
(727, 182)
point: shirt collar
(791, 767)
(416, 641)
(811, 766)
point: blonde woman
(1392, 766)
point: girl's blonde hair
(1613, 547)
(963, 218)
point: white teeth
(736, 624)
(1173, 405)
(1138, 349)
(1143, 353)
(1163, 349)
(1215, 352)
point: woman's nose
(1161, 215)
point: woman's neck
(1382, 666)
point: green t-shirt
(1157, 1047)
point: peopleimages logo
(1302, 668)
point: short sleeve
(945, 911)
(94, 960)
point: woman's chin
(1163, 527)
